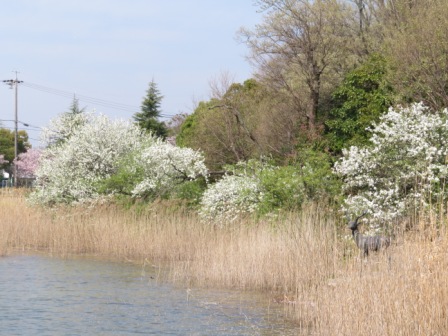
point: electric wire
(86, 99)
(23, 123)
(19, 129)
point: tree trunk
(314, 86)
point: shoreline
(302, 261)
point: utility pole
(14, 83)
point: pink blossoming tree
(27, 163)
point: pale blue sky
(111, 49)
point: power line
(21, 129)
(87, 99)
(23, 123)
(67, 94)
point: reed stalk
(305, 261)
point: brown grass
(302, 261)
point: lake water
(41, 295)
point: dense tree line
(325, 70)
(347, 98)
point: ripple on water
(41, 295)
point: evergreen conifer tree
(74, 107)
(150, 111)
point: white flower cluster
(232, 195)
(165, 165)
(71, 171)
(405, 167)
(62, 127)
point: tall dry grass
(407, 295)
(302, 261)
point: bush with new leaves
(404, 168)
(253, 187)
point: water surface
(41, 295)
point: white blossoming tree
(404, 168)
(155, 170)
(69, 171)
(63, 127)
(76, 170)
(164, 165)
(230, 197)
(259, 186)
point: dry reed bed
(406, 295)
(302, 261)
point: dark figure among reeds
(367, 243)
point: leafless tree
(300, 46)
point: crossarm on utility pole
(14, 84)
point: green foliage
(150, 111)
(203, 130)
(191, 191)
(317, 176)
(417, 51)
(359, 101)
(157, 171)
(7, 143)
(123, 181)
(189, 130)
(130, 173)
(156, 127)
(310, 178)
(283, 189)
(250, 89)
(242, 122)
